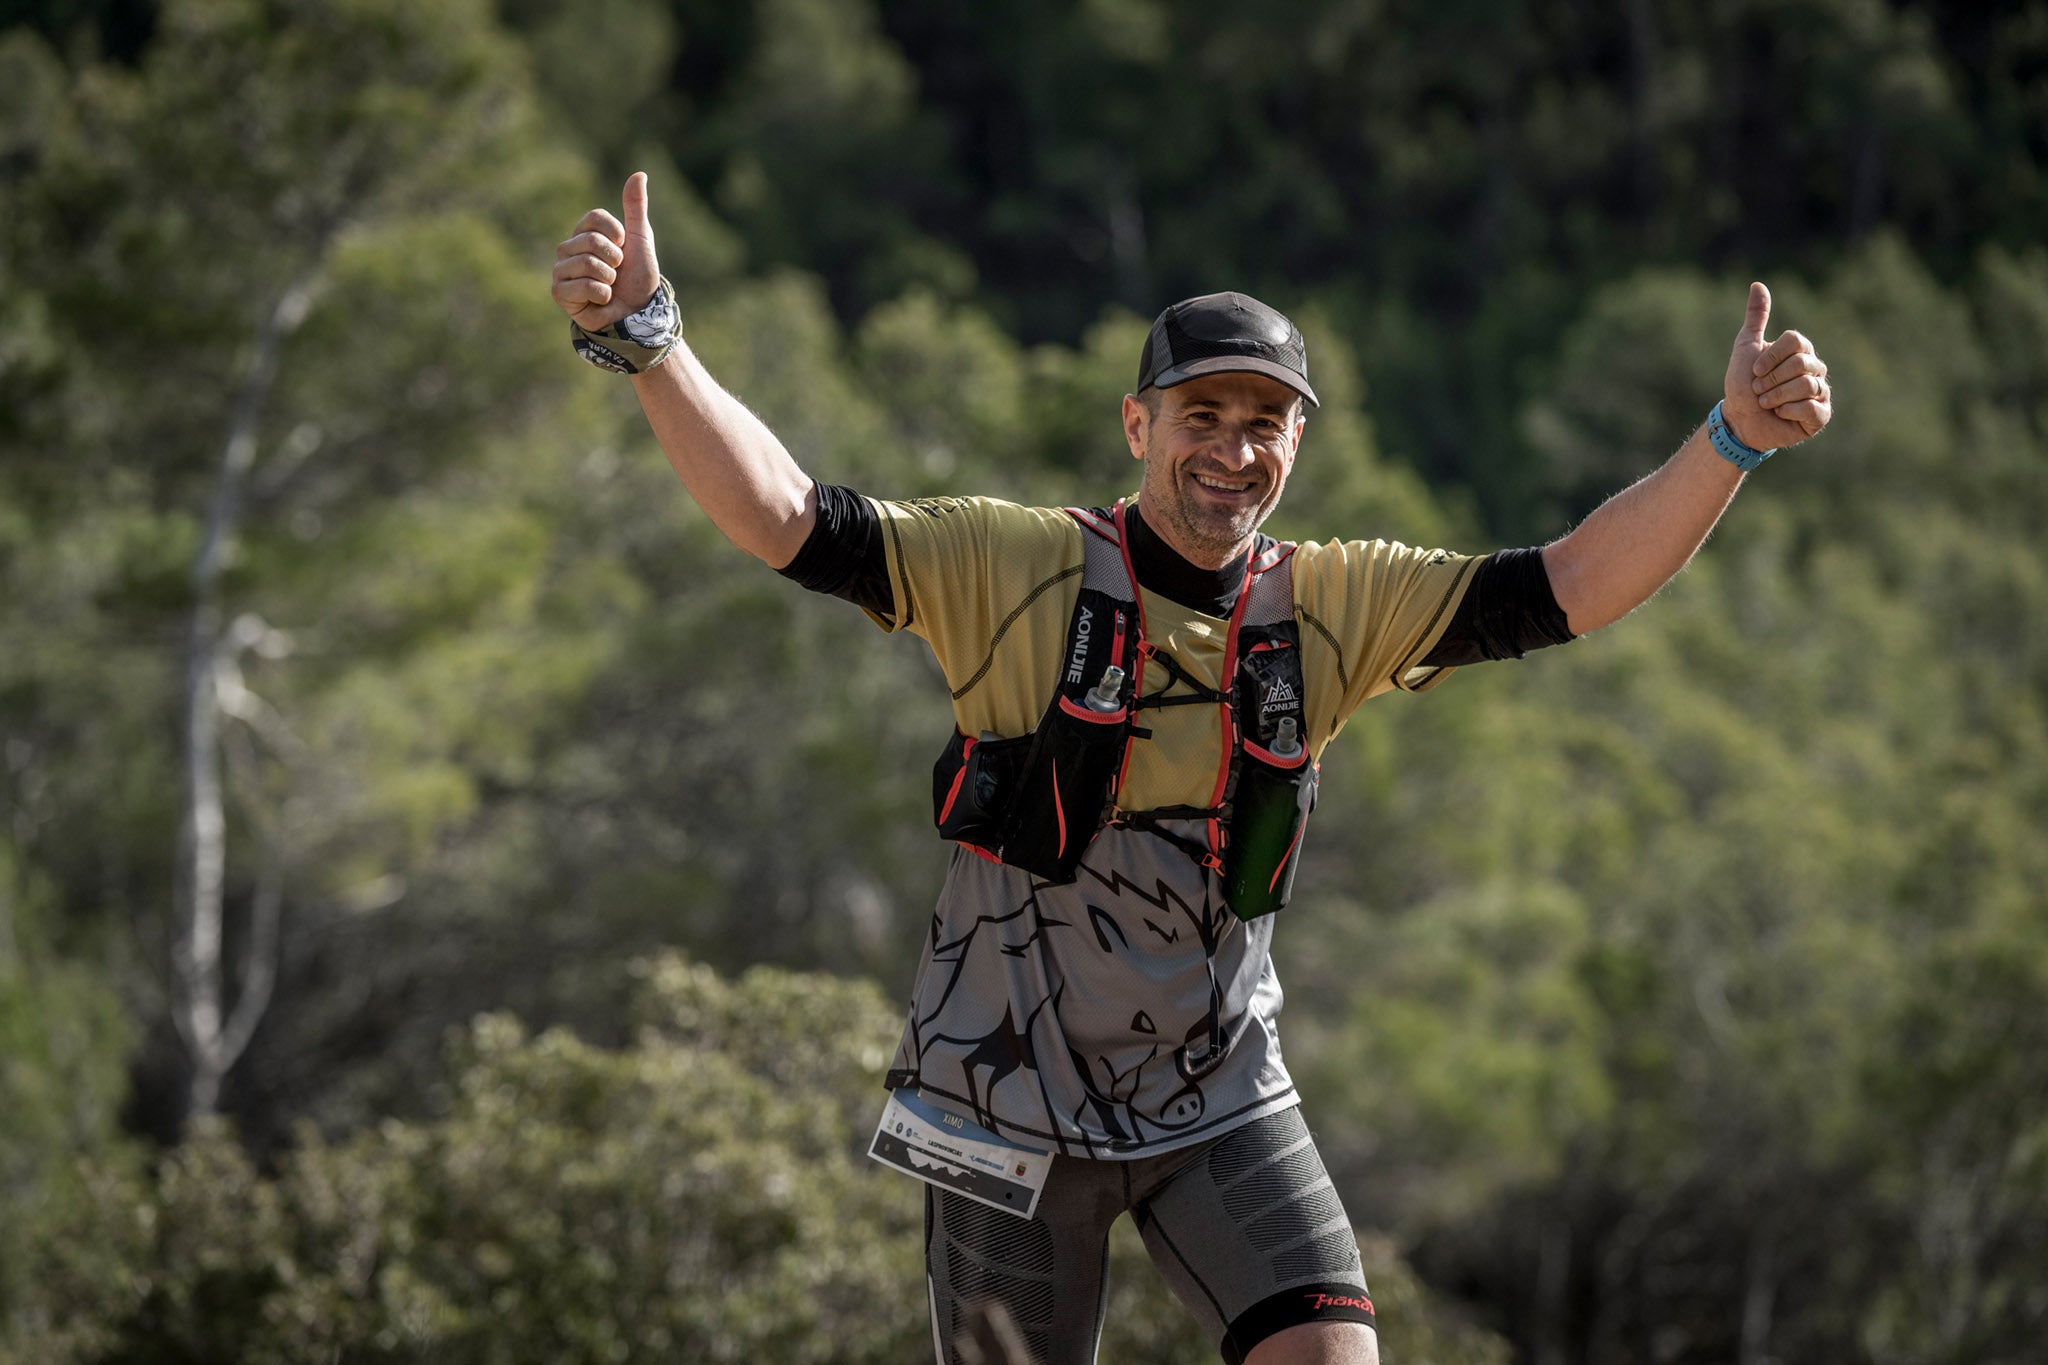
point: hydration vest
(1037, 801)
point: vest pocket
(973, 783)
(1269, 808)
(1063, 790)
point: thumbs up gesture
(1776, 393)
(606, 270)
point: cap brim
(1228, 364)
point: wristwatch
(1729, 446)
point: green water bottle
(1267, 811)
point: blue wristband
(1729, 446)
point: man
(1140, 694)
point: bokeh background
(453, 907)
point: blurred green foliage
(1675, 995)
(700, 1195)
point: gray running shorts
(1247, 1229)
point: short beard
(1203, 538)
(1200, 535)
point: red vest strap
(1103, 527)
(1276, 552)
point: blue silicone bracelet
(1729, 446)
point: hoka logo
(1280, 694)
(1081, 629)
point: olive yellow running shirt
(991, 587)
(1129, 1012)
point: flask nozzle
(1104, 695)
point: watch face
(653, 326)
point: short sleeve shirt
(1130, 1012)
(990, 586)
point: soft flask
(1269, 805)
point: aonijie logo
(1319, 1301)
(1082, 627)
(1279, 694)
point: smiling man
(1141, 693)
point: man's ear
(1135, 420)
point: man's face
(1216, 457)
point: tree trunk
(1553, 1292)
(214, 1039)
(1643, 82)
(1127, 244)
(1759, 1297)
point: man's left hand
(1775, 394)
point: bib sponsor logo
(1082, 628)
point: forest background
(452, 905)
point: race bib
(922, 1140)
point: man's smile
(1219, 484)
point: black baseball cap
(1222, 332)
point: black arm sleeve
(843, 554)
(1508, 611)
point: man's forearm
(1633, 543)
(740, 474)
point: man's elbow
(777, 536)
(1567, 585)
(1584, 597)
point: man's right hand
(607, 270)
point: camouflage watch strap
(636, 343)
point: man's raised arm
(750, 486)
(1775, 394)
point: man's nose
(1234, 447)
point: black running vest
(1036, 801)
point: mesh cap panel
(1223, 332)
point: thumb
(1752, 324)
(635, 203)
